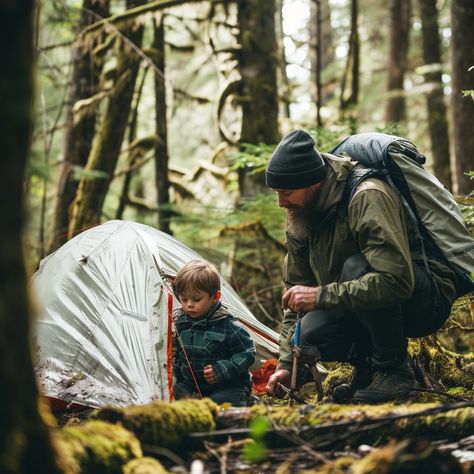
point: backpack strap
(358, 174)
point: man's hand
(280, 376)
(209, 374)
(301, 299)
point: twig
(159, 451)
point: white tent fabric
(103, 336)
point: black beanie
(295, 163)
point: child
(213, 351)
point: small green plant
(256, 450)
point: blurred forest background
(166, 112)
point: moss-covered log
(144, 465)
(162, 423)
(97, 447)
(326, 425)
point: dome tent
(103, 335)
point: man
(349, 269)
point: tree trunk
(80, 132)
(259, 90)
(284, 90)
(352, 69)
(437, 121)
(397, 62)
(161, 148)
(462, 19)
(134, 152)
(24, 438)
(87, 206)
(320, 33)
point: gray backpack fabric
(442, 231)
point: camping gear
(441, 228)
(104, 333)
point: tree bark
(87, 206)
(79, 132)
(321, 45)
(462, 19)
(24, 438)
(352, 65)
(397, 62)
(161, 148)
(285, 90)
(134, 152)
(259, 89)
(437, 120)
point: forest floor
(283, 438)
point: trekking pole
(296, 342)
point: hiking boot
(388, 384)
(361, 378)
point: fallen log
(326, 426)
(162, 423)
(96, 446)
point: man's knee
(327, 331)
(354, 267)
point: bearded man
(350, 269)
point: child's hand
(209, 374)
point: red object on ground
(261, 375)
(57, 405)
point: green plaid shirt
(216, 339)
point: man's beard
(300, 219)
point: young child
(213, 352)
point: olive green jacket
(374, 224)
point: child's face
(197, 303)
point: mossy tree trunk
(161, 148)
(437, 121)
(80, 130)
(25, 443)
(462, 18)
(258, 64)
(397, 61)
(86, 209)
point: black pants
(382, 333)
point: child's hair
(198, 276)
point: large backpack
(440, 225)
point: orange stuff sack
(261, 375)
